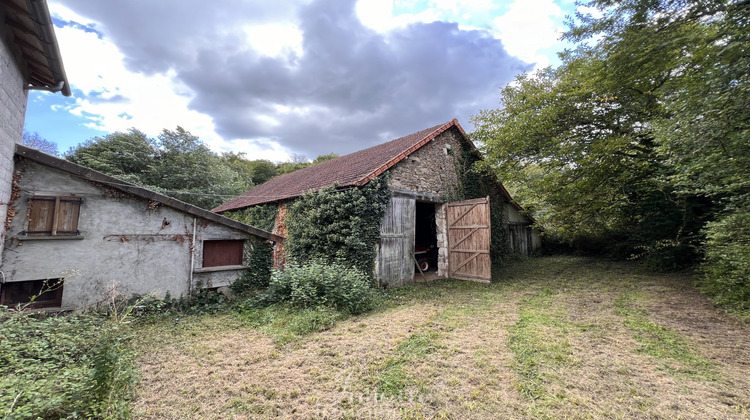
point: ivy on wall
(261, 216)
(259, 259)
(259, 255)
(338, 225)
(473, 183)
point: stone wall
(12, 113)
(431, 169)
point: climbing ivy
(338, 224)
(474, 183)
(260, 258)
(261, 216)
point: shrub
(77, 366)
(320, 283)
(726, 270)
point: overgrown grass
(285, 323)
(64, 366)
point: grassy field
(555, 337)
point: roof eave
(112, 182)
(51, 47)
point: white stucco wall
(125, 243)
(12, 113)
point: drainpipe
(192, 258)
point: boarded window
(53, 216)
(220, 253)
(45, 293)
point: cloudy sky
(278, 78)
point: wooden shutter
(221, 253)
(41, 216)
(395, 264)
(469, 239)
(51, 216)
(67, 215)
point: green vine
(258, 273)
(475, 183)
(261, 216)
(338, 225)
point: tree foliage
(639, 140)
(176, 163)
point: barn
(442, 215)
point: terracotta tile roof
(355, 169)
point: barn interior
(425, 236)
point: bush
(319, 283)
(77, 366)
(726, 270)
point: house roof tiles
(355, 169)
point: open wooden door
(469, 239)
(395, 264)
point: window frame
(214, 246)
(57, 288)
(64, 210)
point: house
(29, 59)
(81, 230)
(95, 233)
(426, 174)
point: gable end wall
(430, 170)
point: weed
(62, 366)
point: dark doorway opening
(425, 237)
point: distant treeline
(175, 163)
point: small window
(53, 216)
(221, 253)
(46, 293)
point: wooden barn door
(469, 239)
(395, 265)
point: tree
(642, 131)
(177, 164)
(129, 156)
(324, 158)
(35, 141)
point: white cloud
(274, 39)
(116, 99)
(528, 27)
(62, 12)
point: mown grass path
(554, 337)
